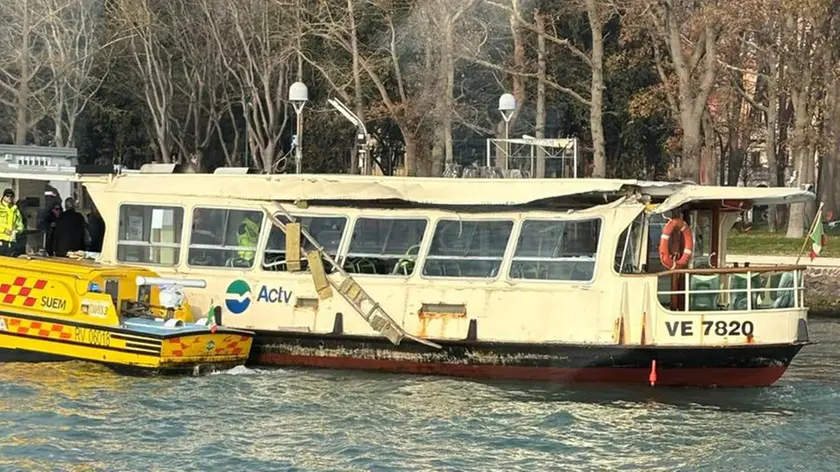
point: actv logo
(238, 297)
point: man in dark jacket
(69, 230)
(96, 230)
(46, 224)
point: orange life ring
(665, 244)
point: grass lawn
(760, 243)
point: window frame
(598, 249)
(428, 249)
(148, 244)
(345, 251)
(257, 252)
(643, 242)
(339, 253)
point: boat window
(556, 250)
(150, 234)
(222, 237)
(656, 224)
(327, 231)
(629, 248)
(702, 229)
(384, 246)
(467, 248)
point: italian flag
(818, 239)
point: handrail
(721, 270)
(750, 292)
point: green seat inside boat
(784, 298)
(739, 298)
(706, 300)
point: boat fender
(665, 244)
(174, 323)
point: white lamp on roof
(507, 105)
(299, 95)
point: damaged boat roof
(443, 191)
(418, 190)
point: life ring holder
(665, 242)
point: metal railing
(732, 289)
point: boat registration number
(710, 327)
(93, 336)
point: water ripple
(77, 416)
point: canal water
(76, 416)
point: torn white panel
(756, 195)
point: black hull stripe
(114, 330)
(148, 342)
(144, 347)
(268, 337)
(144, 351)
(549, 355)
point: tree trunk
(691, 149)
(772, 118)
(830, 170)
(828, 189)
(267, 152)
(22, 118)
(708, 163)
(357, 85)
(803, 158)
(693, 91)
(518, 83)
(442, 155)
(438, 145)
(412, 154)
(539, 132)
(58, 132)
(596, 106)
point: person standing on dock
(11, 223)
(69, 230)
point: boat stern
(213, 349)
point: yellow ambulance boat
(126, 318)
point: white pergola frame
(565, 149)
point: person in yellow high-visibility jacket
(248, 235)
(11, 222)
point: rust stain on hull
(439, 311)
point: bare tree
(199, 84)
(155, 63)
(358, 94)
(445, 16)
(806, 35)
(539, 122)
(758, 44)
(256, 45)
(695, 70)
(22, 60)
(400, 61)
(597, 13)
(72, 37)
